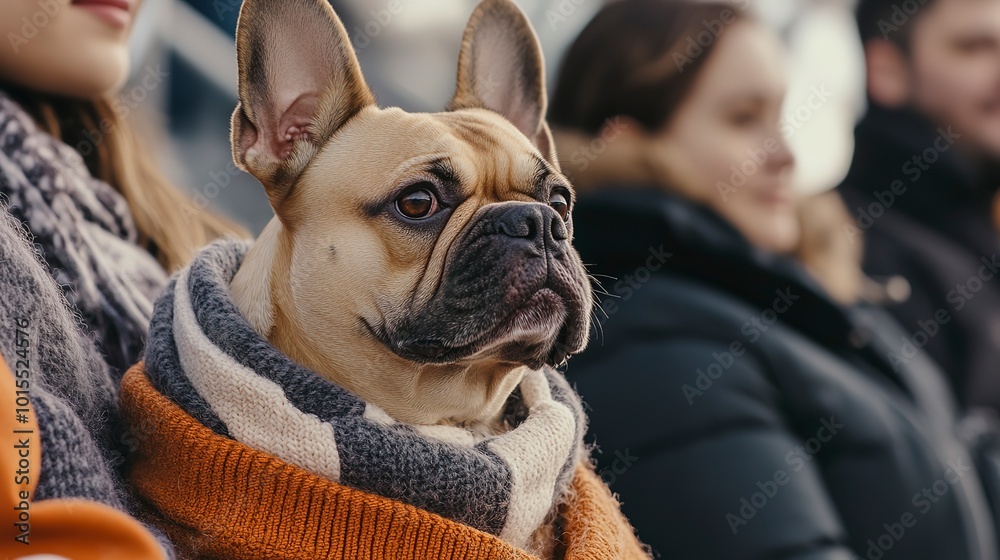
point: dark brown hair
(889, 20)
(639, 59)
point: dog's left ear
(299, 81)
(501, 69)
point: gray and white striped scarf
(84, 231)
(207, 358)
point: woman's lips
(777, 197)
(114, 12)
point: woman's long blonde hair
(169, 224)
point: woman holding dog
(105, 224)
(742, 411)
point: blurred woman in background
(105, 225)
(741, 409)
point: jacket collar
(618, 227)
(901, 145)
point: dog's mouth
(529, 334)
(536, 322)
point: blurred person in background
(107, 230)
(741, 410)
(925, 171)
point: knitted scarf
(84, 231)
(206, 357)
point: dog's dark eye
(418, 202)
(559, 201)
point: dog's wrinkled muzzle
(513, 288)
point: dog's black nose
(537, 223)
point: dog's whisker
(598, 327)
(602, 292)
(599, 284)
(598, 305)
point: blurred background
(409, 59)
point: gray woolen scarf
(84, 231)
(205, 356)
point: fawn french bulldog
(421, 261)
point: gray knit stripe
(72, 465)
(468, 485)
(163, 365)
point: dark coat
(743, 414)
(924, 214)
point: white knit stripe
(535, 453)
(253, 408)
(449, 434)
(377, 415)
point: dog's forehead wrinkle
(503, 166)
(486, 122)
(420, 161)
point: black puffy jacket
(743, 414)
(924, 213)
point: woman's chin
(113, 73)
(775, 234)
(99, 68)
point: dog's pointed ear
(299, 81)
(501, 68)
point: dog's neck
(472, 394)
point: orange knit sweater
(218, 498)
